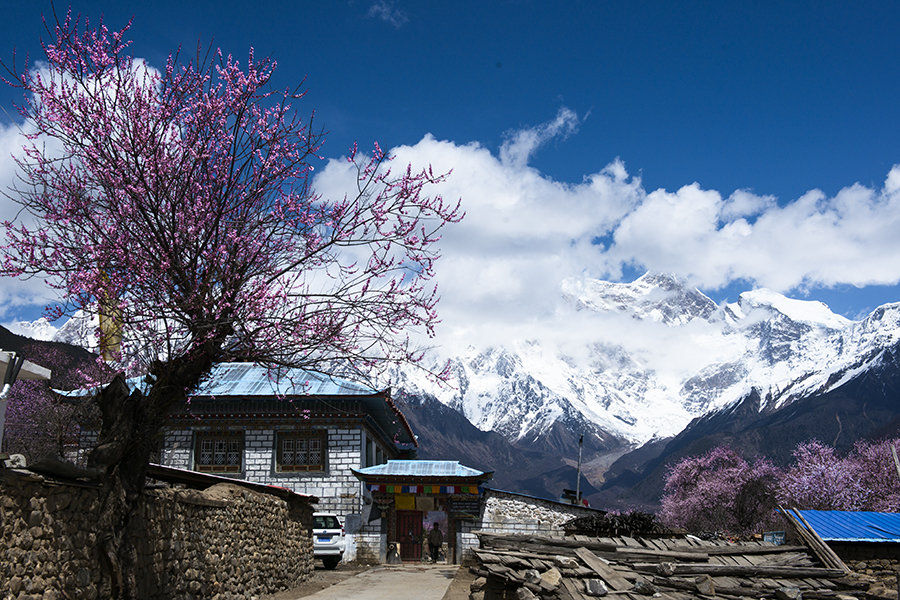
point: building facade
(292, 429)
(409, 498)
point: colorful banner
(423, 489)
(404, 502)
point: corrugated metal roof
(849, 526)
(249, 379)
(422, 468)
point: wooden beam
(612, 578)
(537, 540)
(743, 570)
(662, 554)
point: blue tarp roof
(850, 526)
(422, 468)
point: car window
(326, 522)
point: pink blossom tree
(39, 423)
(178, 205)
(820, 480)
(720, 492)
(880, 475)
(864, 479)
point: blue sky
(601, 114)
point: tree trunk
(131, 425)
(122, 455)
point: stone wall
(880, 560)
(507, 512)
(511, 513)
(225, 542)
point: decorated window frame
(301, 450)
(219, 451)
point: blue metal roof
(422, 468)
(250, 379)
(849, 526)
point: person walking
(435, 541)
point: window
(301, 450)
(326, 522)
(219, 451)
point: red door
(409, 534)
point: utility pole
(578, 474)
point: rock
(50, 594)
(788, 593)
(15, 585)
(666, 569)
(478, 584)
(645, 588)
(479, 595)
(523, 593)
(595, 587)
(565, 562)
(705, 585)
(551, 576)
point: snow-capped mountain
(80, 330)
(631, 362)
(41, 330)
(654, 354)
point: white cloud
(520, 145)
(525, 233)
(387, 12)
(813, 241)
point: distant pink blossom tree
(820, 480)
(720, 491)
(864, 479)
(178, 204)
(880, 474)
(39, 423)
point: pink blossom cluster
(721, 491)
(40, 423)
(179, 204)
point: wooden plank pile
(582, 568)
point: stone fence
(226, 542)
(519, 514)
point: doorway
(409, 534)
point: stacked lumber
(582, 568)
(632, 524)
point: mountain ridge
(634, 368)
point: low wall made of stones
(510, 513)
(517, 514)
(224, 542)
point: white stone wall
(337, 488)
(176, 449)
(465, 539)
(518, 514)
